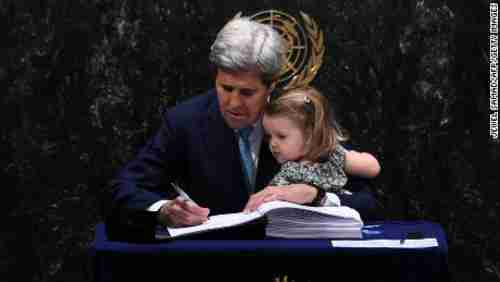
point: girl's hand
(294, 193)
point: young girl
(304, 138)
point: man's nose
(235, 99)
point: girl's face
(286, 140)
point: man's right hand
(180, 212)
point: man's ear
(270, 91)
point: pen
(181, 192)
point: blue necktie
(246, 156)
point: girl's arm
(361, 164)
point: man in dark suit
(201, 144)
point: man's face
(242, 96)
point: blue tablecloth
(260, 260)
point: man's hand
(181, 212)
(295, 193)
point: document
(387, 243)
(285, 220)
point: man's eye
(227, 88)
(281, 136)
(247, 93)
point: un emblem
(305, 46)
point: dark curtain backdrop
(82, 83)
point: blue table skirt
(246, 260)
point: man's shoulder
(199, 106)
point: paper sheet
(386, 243)
(216, 222)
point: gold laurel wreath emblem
(305, 46)
(316, 38)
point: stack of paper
(295, 221)
(285, 220)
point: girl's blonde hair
(310, 111)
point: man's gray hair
(246, 45)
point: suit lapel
(221, 146)
(217, 135)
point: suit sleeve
(145, 180)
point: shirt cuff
(331, 200)
(156, 206)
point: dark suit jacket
(195, 147)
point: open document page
(286, 220)
(214, 222)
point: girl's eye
(281, 136)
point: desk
(260, 260)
